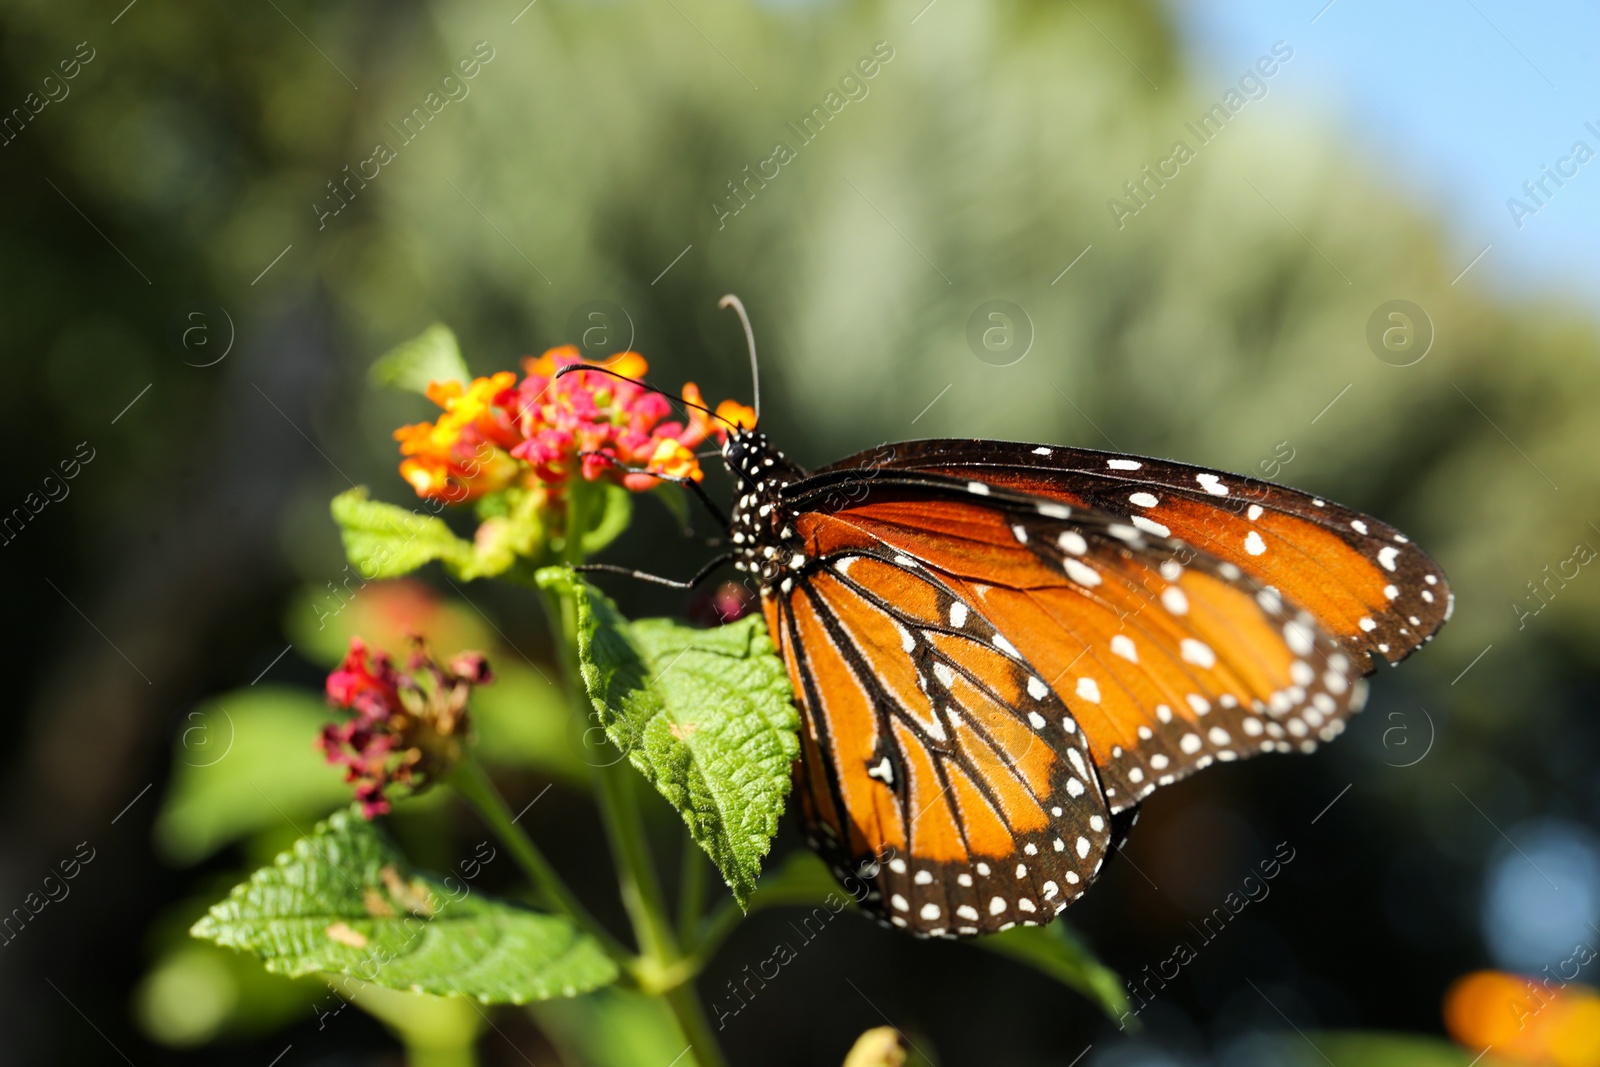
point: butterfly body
(1000, 649)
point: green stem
(691, 893)
(660, 969)
(425, 1055)
(641, 887)
(685, 1005)
(721, 923)
(477, 790)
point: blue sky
(1460, 101)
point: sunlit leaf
(705, 715)
(344, 900)
(385, 541)
(431, 356)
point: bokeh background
(190, 307)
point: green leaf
(431, 356)
(344, 900)
(1059, 953)
(385, 541)
(512, 527)
(616, 511)
(263, 735)
(705, 715)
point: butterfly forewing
(1167, 659)
(1363, 580)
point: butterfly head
(761, 526)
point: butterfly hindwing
(934, 760)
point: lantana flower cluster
(409, 726)
(497, 432)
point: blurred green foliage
(1216, 326)
(271, 773)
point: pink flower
(408, 726)
(497, 432)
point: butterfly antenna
(731, 301)
(585, 368)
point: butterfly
(999, 650)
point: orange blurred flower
(736, 413)
(1533, 1020)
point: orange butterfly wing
(927, 763)
(966, 635)
(1365, 582)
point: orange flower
(463, 455)
(496, 431)
(1531, 1020)
(738, 414)
(672, 458)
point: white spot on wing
(1123, 464)
(1151, 526)
(1299, 637)
(1081, 573)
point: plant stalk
(477, 790)
(660, 969)
(691, 894)
(641, 887)
(685, 1004)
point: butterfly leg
(688, 483)
(699, 576)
